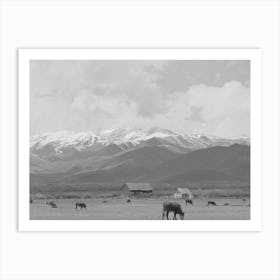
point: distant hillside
(159, 164)
(211, 164)
(70, 152)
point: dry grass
(138, 209)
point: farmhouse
(137, 188)
(183, 193)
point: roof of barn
(138, 186)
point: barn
(183, 193)
(137, 188)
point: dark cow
(81, 205)
(211, 203)
(226, 204)
(31, 200)
(52, 204)
(172, 207)
(189, 201)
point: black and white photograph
(140, 139)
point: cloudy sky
(211, 97)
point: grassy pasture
(116, 208)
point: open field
(138, 209)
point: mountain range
(154, 155)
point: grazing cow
(212, 203)
(172, 207)
(31, 200)
(189, 201)
(52, 204)
(226, 204)
(81, 205)
(244, 199)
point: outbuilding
(137, 188)
(183, 193)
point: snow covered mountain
(63, 142)
(126, 154)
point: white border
(254, 55)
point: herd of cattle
(168, 207)
(176, 208)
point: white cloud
(220, 110)
(91, 103)
(103, 95)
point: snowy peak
(62, 139)
(58, 143)
(118, 136)
(161, 131)
(134, 136)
